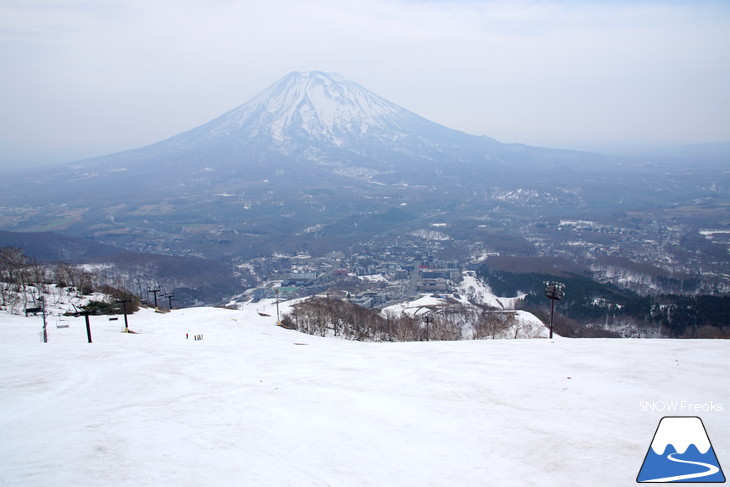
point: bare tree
(13, 272)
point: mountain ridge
(326, 106)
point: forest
(595, 304)
(454, 321)
(23, 282)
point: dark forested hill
(596, 304)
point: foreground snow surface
(255, 404)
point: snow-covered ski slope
(253, 404)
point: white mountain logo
(681, 452)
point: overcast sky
(81, 78)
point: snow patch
(476, 290)
(431, 235)
(373, 278)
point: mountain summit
(325, 117)
(321, 106)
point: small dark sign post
(85, 313)
(88, 326)
(554, 291)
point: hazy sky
(81, 78)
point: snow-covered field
(255, 404)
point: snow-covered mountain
(317, 106)
(312, 127)
(317, 127)
(326, 118)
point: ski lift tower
(154, 292)
(554, 291)
(124, 302)
(278, 321)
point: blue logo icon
(681, 452)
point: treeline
(193, 281)
(455, 321)
(23, 281)
(590, 303)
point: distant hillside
(193, 280)
(557, 267)
(51, 247)
(603, 306)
